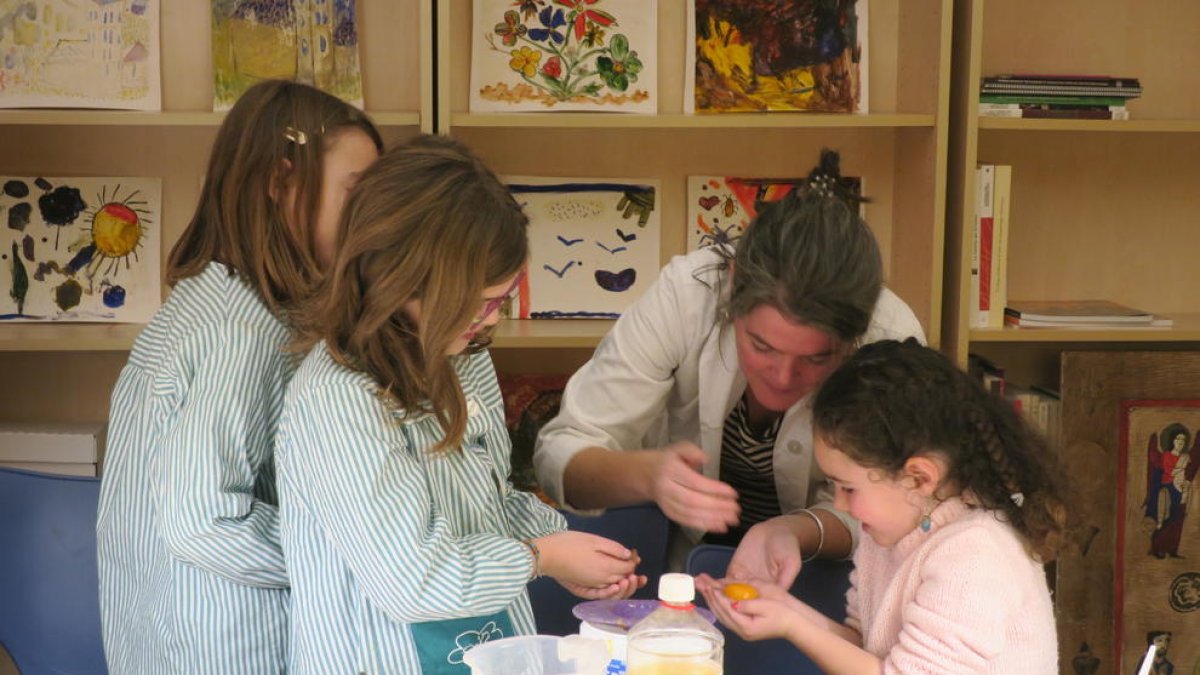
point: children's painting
(594, 245)
(1158, 539)
(309, 41)
(720, 208)
(768, 55)
(79, 54)
(554, 55)
(80, 249)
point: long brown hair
(238, 222)
(428, 222)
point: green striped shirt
(381, 533)
(192, 576)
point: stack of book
(1088, 97)
(1084, 314)
(1041, 407)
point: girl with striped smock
(405, 540)
(192, 576)
(961, 504)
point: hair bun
(830, 164)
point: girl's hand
(587, 561)
(618, 591)
(687, 496)
(761, 619)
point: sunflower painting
(80, 249)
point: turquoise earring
(926, 523)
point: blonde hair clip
(295, 135)
(1018, 498)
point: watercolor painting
(776, 55)
(594, 245)
(720, 208)
(1158, 532)
(555, 55)
(80, 54)
(80, 249)
(309, 41)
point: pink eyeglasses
(492, 305)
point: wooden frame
(1094, 386)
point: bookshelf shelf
(1109, 126)
(1186, 329)
(170, 119)
(680, 121)
(517, 333)
(68, 337)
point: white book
(1001, 210)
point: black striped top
(747, 459)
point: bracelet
(820, 534)
(536, 554)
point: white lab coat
(668, 371)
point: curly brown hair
(893, 400)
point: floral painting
(776, 55)
(554, 55)
(720, 208)
(593, 245)
(80, 54)
(80, 249)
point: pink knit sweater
(964, 597)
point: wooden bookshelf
(1101, 209)
(899, 147)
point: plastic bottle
(674, 639)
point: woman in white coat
(698, 399)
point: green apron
(441, 644)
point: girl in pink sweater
(961, 503)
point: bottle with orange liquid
(674, 639)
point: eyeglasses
(493, 304)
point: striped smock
(192, 576)
(381, 534)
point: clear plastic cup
(539, 655)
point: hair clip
(1018, 498)
(295, 135)
(822, 185)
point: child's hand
(618, 591)
(586, 561)
(761, 619)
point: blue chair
(643, 527)
(821, 583)
(49, 590)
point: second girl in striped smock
(405, 541)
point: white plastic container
(538, 655)
(615, 639)
(675, 639)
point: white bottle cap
(677, 589)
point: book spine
(987, 177)
(1075, 114)
(1001, 203)
(1060, 91)
(1052, 100)
(1070, 80)
(1048, 106)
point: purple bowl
(622, 613)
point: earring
(926, 523)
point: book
(1072, 80)
(1158, 322)
(1056, 114)
(1058, 90)
(984, 222)
(1001, 203)
(1052, 100)
(1075, 311)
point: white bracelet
(820, 534)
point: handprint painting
(593, 245)
(556, 55)
(1158, 528)
(776, 55)
(80, 249)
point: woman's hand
(687, 496)
(770, 550)
(587, 563)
